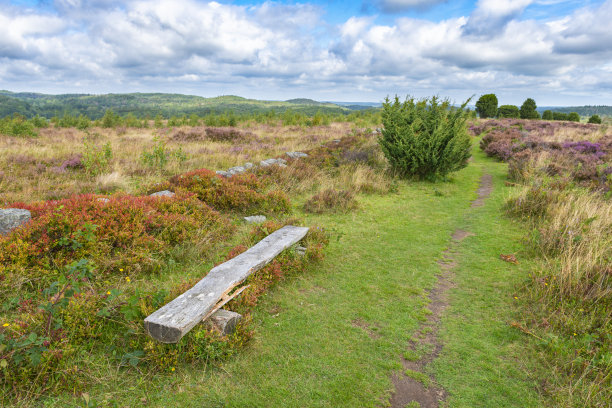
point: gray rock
(236, 170)
(224, 321)
(255, 219)
(271, 162)
(300, 250)
(103, 199)
(11, 218)
(165, 193)
(296, 155)
(249, 165)
(223, 173)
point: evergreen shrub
(426, 138)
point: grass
(418, 376)
(485, 362)
(308, 352)
(30, 167)
(332, 337)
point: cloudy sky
(557, 51)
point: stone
(224, 321)
(271, 162)
(296, 155)
(165, 193)
(102, 199)
(223, 173)
(236, 170)
(300, 250)
(11, 218)
(172, 321)
(249, 165)
(255, 219)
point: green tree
(426, 139)
(560, 116)
(528, 110)
(110, 119)
(573, 117)
(486, 107)
(595, 119)
(508, 111)
(547, 115)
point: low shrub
(96, 159)
(244, 193)
(331, 200)
(47, 336)
(17, 126)
(228, 134)
(124, 232)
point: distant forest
(601, 110)
(152, 104)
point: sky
(558, 52)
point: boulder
(236, 170)
(271, 162)
(296, 155)
(165, 193)
(255, 219)
(11, 218)
(223, 173)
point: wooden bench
(172, 321)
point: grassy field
(334, 336)
(331, 333)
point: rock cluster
(264, 163)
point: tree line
(487, 107)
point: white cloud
(274, 49)
(491, 16)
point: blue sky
(555, 51)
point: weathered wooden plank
(171, 322)
(224, 321)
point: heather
(580, 153)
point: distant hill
(150, 104)
(304, 101)
(601, 110)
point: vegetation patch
(243, 193)
(331, 200)
(568, 294)
(425, 139)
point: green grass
(307, 351)
(418, 376)
(485, 361)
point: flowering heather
(521, 143)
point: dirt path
(414, 384)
